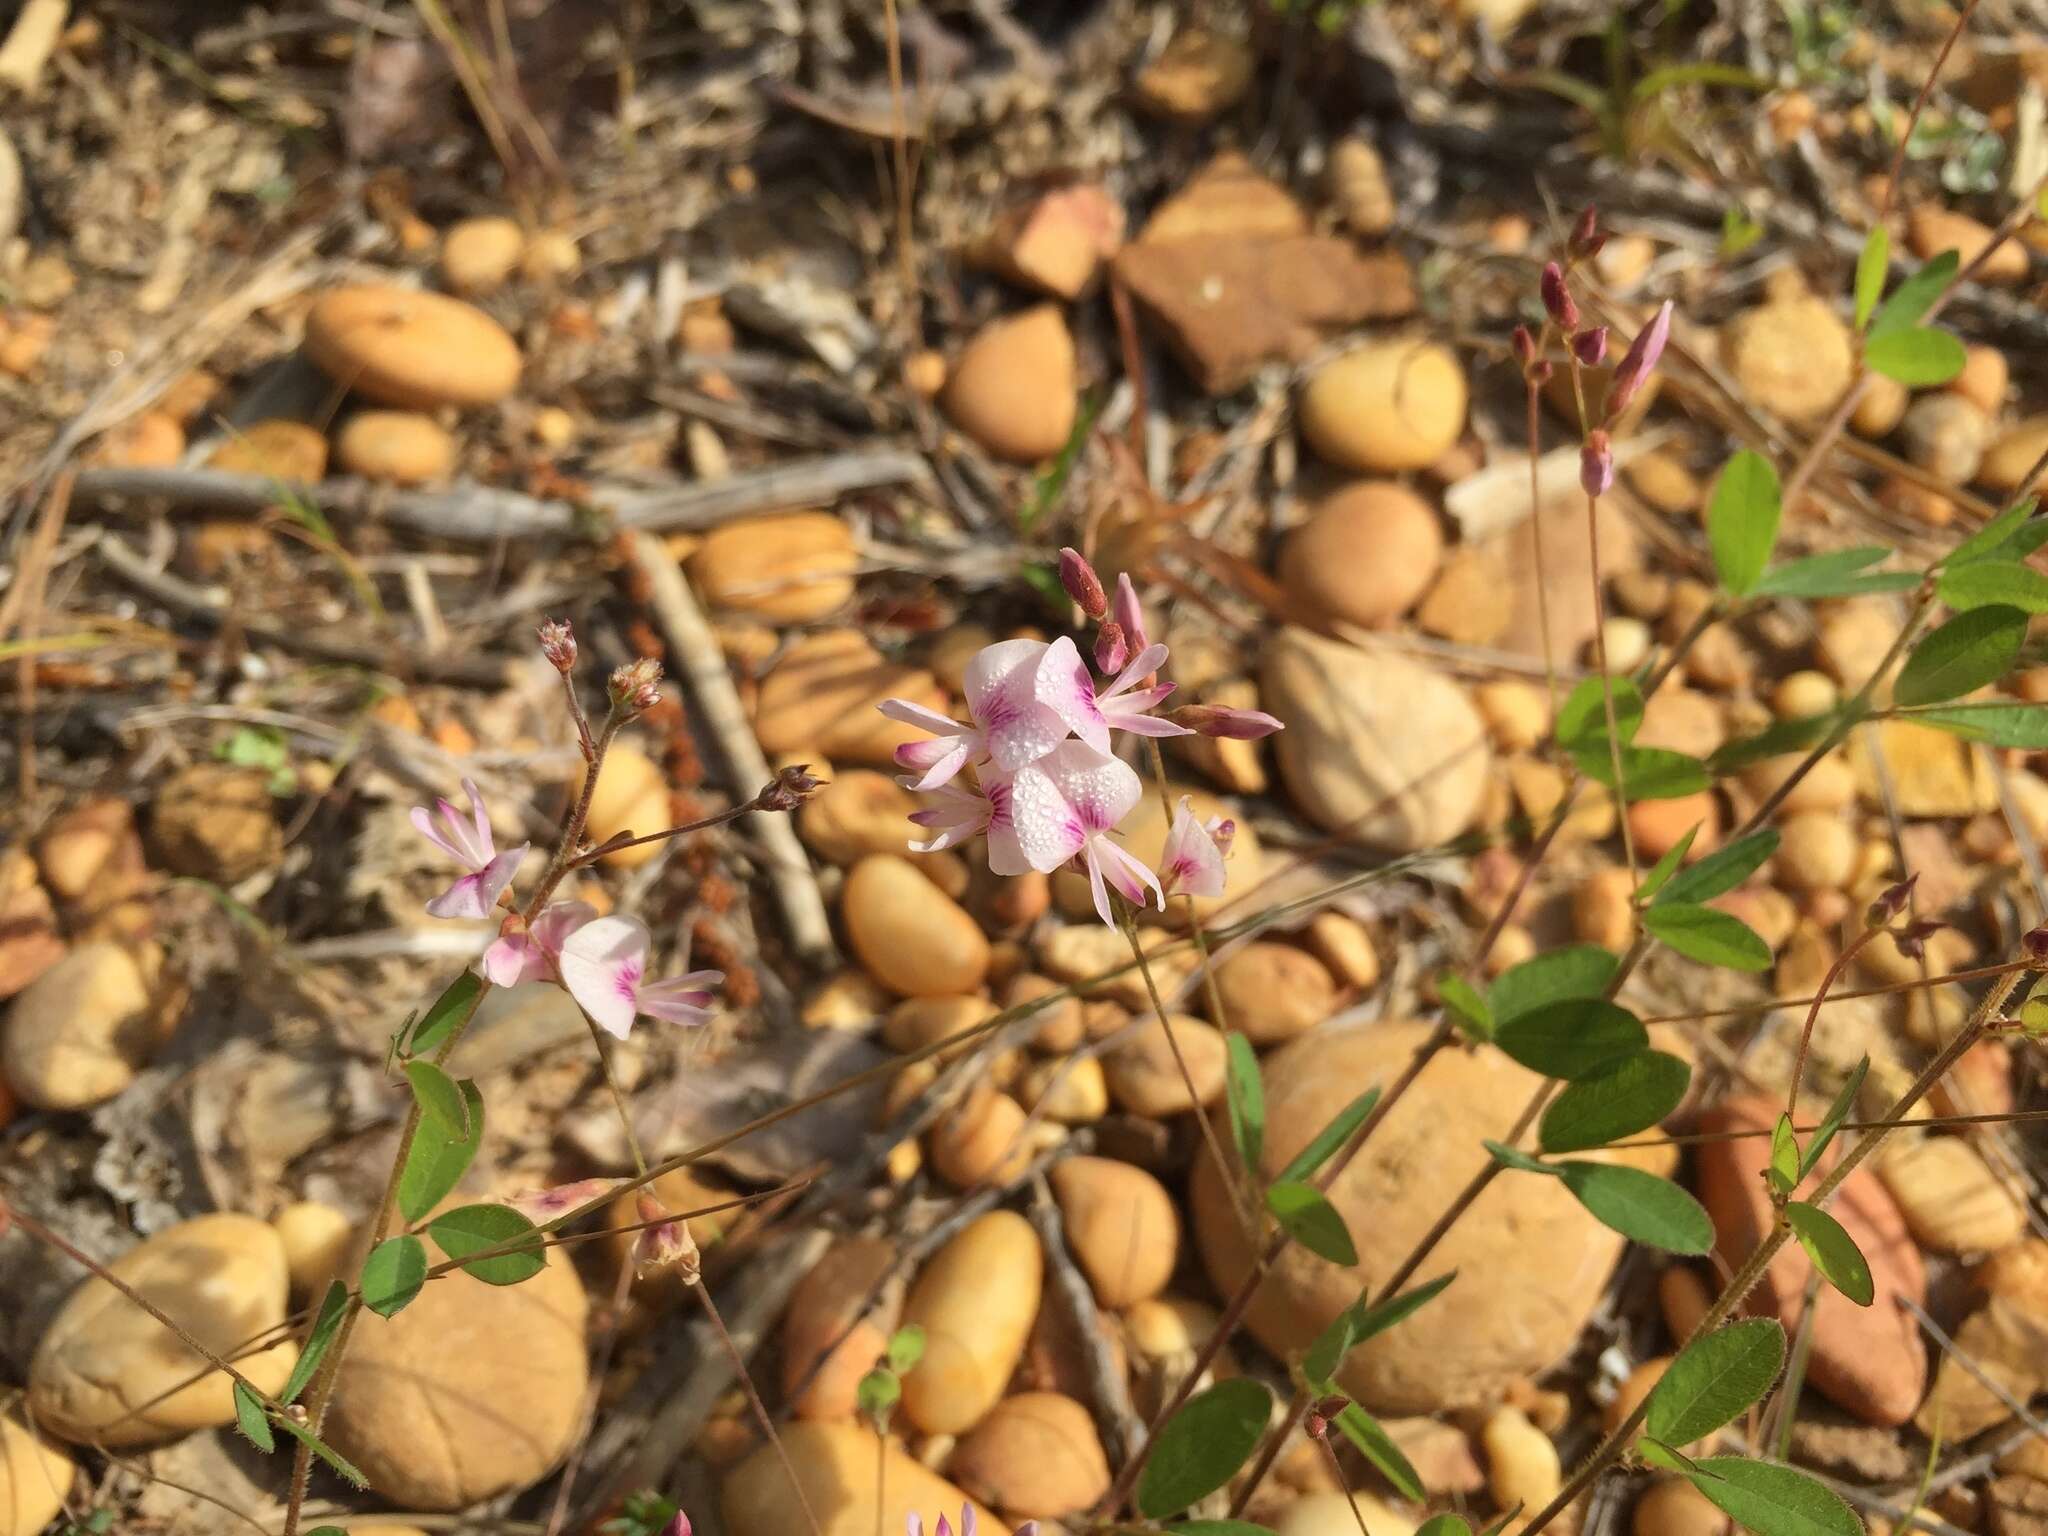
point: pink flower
(535, 955)
(1192, 861)
(1221, 720)
(1633, 371)
(958, 815)
(679, 1526)
(1020, 696)
(1064, 806)
(1124, 706)
(914, 1525)
(666, 1244)
(604, 966)
(469, 842)
(541, 1206)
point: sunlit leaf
(1582, 718)
(1201, 1447)
(1361, 1321)
(1245, 1095)
(1916, 357)
(456, 1002)
(1742, 520)
(1831, 1122)
(1364, 1431)
(1647, 773)
(1969, 651)
(1999, 725)
(1662, 871)
(1714, 1379)
(1579, 1037)
(436, 1161)
(1640, 1206)
(1771, 1500)
(1473, 1013)
(1332, 1136)
(1709, 936)
(326, 1323)
(470, 1229)
(1724, 869)
(1306, 1215)
(252, 1420)
(1783, 1168)
(1575, 970)
(1630, 1096)
(1992, 583)
(341, 1466)
(393, 1274)
(2008, 536)
(1838, 573)
(1833, 1251)
(440, 1100)
(1916, 295)
(1871, 266)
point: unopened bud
(1130, 614)
(789, 789)
(1891, 903)
(679, 1526)
(1634, 370)
(1557, 297)
(558, 644)
(1315, 1425)
(1586, 237)
(1911, 940)
(1217, 720)
(1110, 651)
(1082, 584)
(1539, 372)
(1524, 345)
(1596, 465)
(635, 687)
(2034, 948)
(1590, 346)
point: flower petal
(1100, 789)
(553, 924)
(486, 845)
(1065, 687)
(1128, 874)
(910, 713)
(602, 965)
(462, 899)
(424, 823)
(1043, 829)
(686, 999)
(514, 959)
(1002, 686)
(496, 875)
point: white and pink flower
(603, 963)
(1192, 862)
(1022, 701)
(1064, 806)
(535, 955)
(468, 840)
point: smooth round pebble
(911, 937)
(837, 1472)
(1793, 356)
(316, 1239)
(480, 255)
(1036, 1456)
(827, 1339)
(1121, 1226)
(1012, 389)
(631, 796)
(1671, 1506)
(792, 568)
(975, 1300)
(1274, 992)
(1145, 1078)
(401, 447)
(858, 812)
(1385, 406)
(1367, 553)
(35, 1475)
(415, 350)
(77, 1035)
(1816, 851)
(276, 450)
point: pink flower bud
(1891, 903)
(665, 1244)
(1110, 651)
(1082, 584)
(679, 1526)
(1557, 297)
(2034, 946)
(1216, 720)
(1590, 346)
(1539, 372)
(1633, 371)
(1525, 346)
(1586, 236)
(790, 788)
(558, 644)
(1596, 464)
(1130, 616)
(636, 687)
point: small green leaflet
(1993, 583)
(456, 1002)
(1662, 871)
(472, 1229)
(1640, 1206)
(1200, 1448)
(1915, 357)
(1708, 936)
(1833, 1251)
(393, 1274)
(1721, 871)
(440, 1100)
(1774, 740)
(1444, 1525)
(1969, 651)
(343, 1468)
(326, 1322)
(1473, 1013)
(1246, 1100)
(1771, 1500)
(1582, 718)
(1871, 266)
(1361, 1321)
(906, 1348)
(1332, 1136)
(1742, 520)
(1577, 970)
(1377, 1446)
(327, 1530)
(1307, 1216)
(1656, 1453)
(1647, 773)
(1579, 1037)
(251, 1419)
(1714, 1379)
(1522, 1162)
(1915, 296)
(1992, 540)
(877, 1395)
(436, 1160)
(1999, 725)
(1839, 573)
(1632, 1095)
(1831, 1122)
(1783, 1169)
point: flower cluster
(914, 1524)
(1032, 770)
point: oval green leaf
(472, 1229)
(458, 1001)
(1307, 1216)
(1838, 573)
(1577, 970)
(1377, 1446)
(1647, 773)
(1640, 1206)
(437, 1159)
(1742, 520)
(1630, 1096)
(1579, 1037)
(1771, 1500)
(1721, 871)
(393, 1274)
(1831, 1122)
(1871, 264)
(1916, 295)
(1200, 1448)
(1833, 1251)
(1444, 1525)
(1783, 1169)
(1582, 718)
(1332, 1136)
(1916, 357)
(1969, 651)
(1661, 872)
(326, 1322)
(251, 1420)
(1708, 936)
(1999, 725)
(1993, 583)
(440, 1100)
(1714, 1379)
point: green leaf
(1871, 266)
(1992, 583)
(1579, 1037)
(1783, 1169)
(326, 1323)
(1777, 739)
(1714, 1379)
(437, 1160)
(252, 1420)
(1374, 1443)
(1576, 970)
(1200, 1448)
(1742, 520)
(1306, 1215)
(1771, 1500)
(1721, 871)
(1246, 1098)
(1444, 1525)
(877, 1394)
(327, 1530)
(1833, 1251)
(1640, 1206)
(1998, 725)
(1831, 1122)
(1662, 871)
(440, 1100)
(1969, 651)
(1839, 573)
(342, 1467)
(1994, 538)
(1915, 296)
(472, 1229)
(1647, 773)
(906, 1348)
(1521, 1162)
(393, 1274)
(1330, 1137)
(1915, 358)
(1472, 1011)
(457, 1002)
(1709, 936)
(1656, 1453)
(1632, 1095)
(1361, 1321)
(1582, 718)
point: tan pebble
(402, 447)
(552, 428)
(35, 1479)
(1521, 1463)
(1069, 1089)
(1946, 435)
(948, 871)
(909, 935)
(842, 1482)
(1792, 356)
(821, 696)
(1273, 992)
(857, 813)
(2013, 453)
(1624, 261)
(1682, 720)
(1804, 694)
(1881, 406)
(1121, 1225)
(1198, 74)
(982, 1142)
(826, 1314)
(1665, 483)
(1170, 1327)
(77, 1035)
(1624, 641)
(1012, 389)
(1816, 851)
(1683, 1299)
(847, 1000)
(924, 373)
(1984, 379)
(1515, 712)
(1509, 233)
(1359, 187)
(415, 350)
(1602, 910)
(24, 338)
(479, 255)
(316, 1238)
(1719, 659)
(1388, 405)
(1036, 1456)
(153, 440)
(1952, 1200)
(1060, 1026)
(1657, 825)
(550, 255)
(1511, 946)
(976, 1300)
(189, 395)
(1368, 553)
(1671, 1506)
(1145, 1078)
(704, 331)
(1645, 594)
(789, 568)
(1790, 114)
(1333, 1512)
(1345, 945)
(918, 1023)
(276, 450)
(631, 796)
(1932, 230)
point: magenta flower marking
(1192, 861)
(603, 963)
(541, 1206)
(468, 840)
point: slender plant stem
(760, 1409)
(1535, 427)
(1828, 978)
(1891, 181)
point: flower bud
(665, 1244)
(2034, 947)
(1524, 345)
(1557, 297)
(1590, 346)
(1110, 651)
(1130, 616)
(1596, 465)
(558, 644)
(1216, 720)
(1315, 1425)
(679, 1526)
(1082, 584)
(1911, 940)
(1891, 903)
(789, 789)
(1539, 372)
(1586, 236)
(1223, 834)
(1332, 1405)
(635, 687)
(1633, 371)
